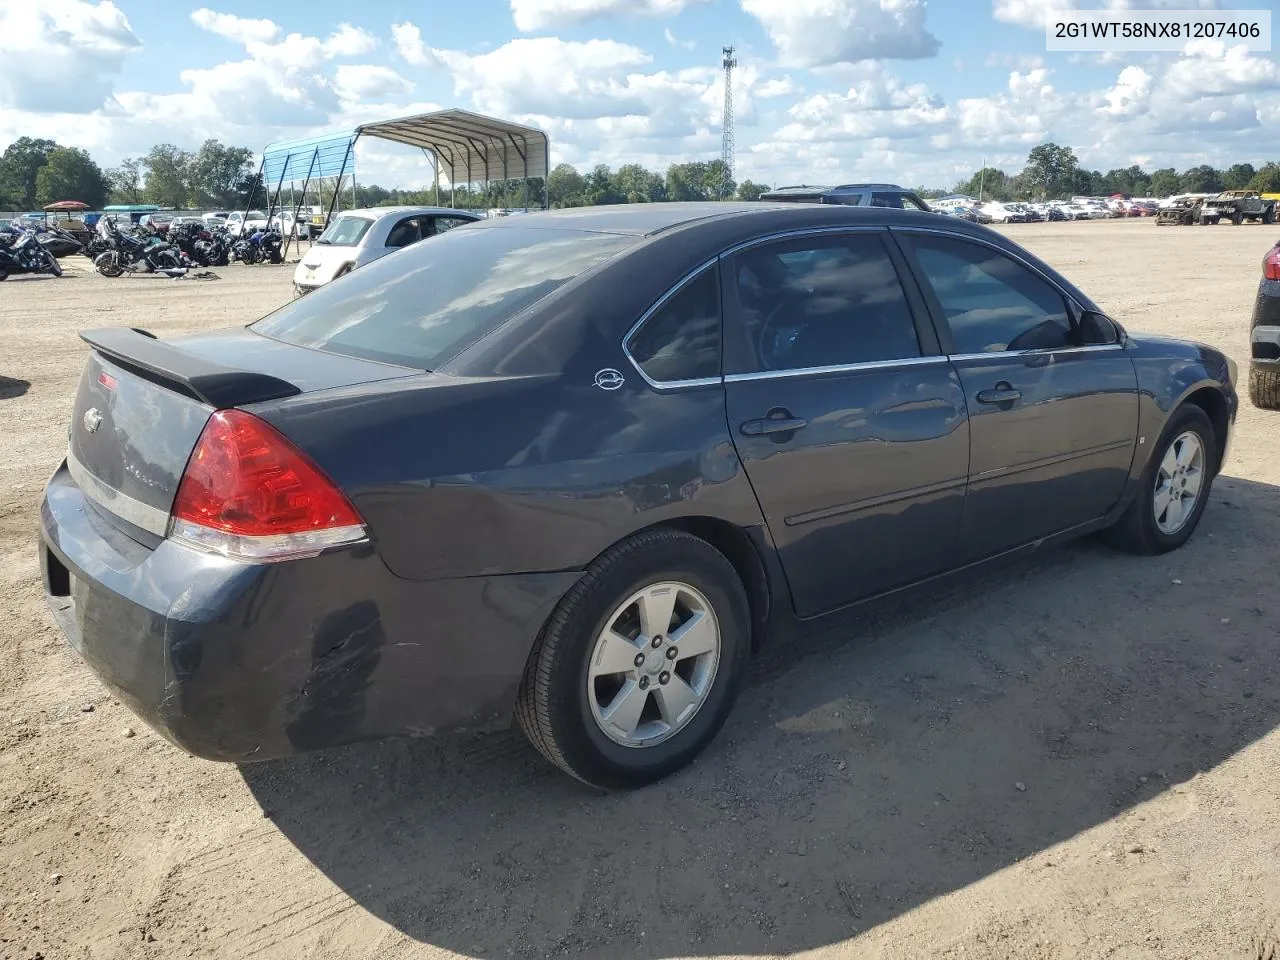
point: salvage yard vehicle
(1264, 336)
(577, 467)
(1179, 212)
(358, 237)
(1237, 206)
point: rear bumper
(235, 661)
(1265, 327)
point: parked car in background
(185, 221)
(237, 223)
(216, 219)
(156, 222)
(851, 195)
(1003, 212)
(285, 223)
(356, 237)
(1264, 336)
(1030, 213)
(511, 472)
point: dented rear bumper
(238, 661)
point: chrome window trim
(1092, 348)
(658, 305)
(1070, 300)
(141, 515)
(930, 361)
(800, 232)
(983, 241)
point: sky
(826, 91)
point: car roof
(377, 213)
(648, 219)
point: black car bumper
(1265, 328)
(237, 661)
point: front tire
(594, 704)
(1264, 386)
(1175, 487)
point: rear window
(346, 231)
(424, 304)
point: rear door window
(448, 223)
(405, 232)
(422, 307)
(823, 301)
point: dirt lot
(1074, 755)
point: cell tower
(726, 125)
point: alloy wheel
(1178, 482)
(653, 664)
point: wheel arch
(742, 551)
(1214, 404)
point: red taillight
(249, 493)
(1271, 264)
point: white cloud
(410, 46)
(368, 81)
(783, 87)
(814, 33)
(545, 75)
(673, 41)
(62, 56)
(1212, 69)
(1131, 93)
(1019, 61)
(530, 15)
(1034, 13)
(238, 29)
(349, 41)
(877, 105)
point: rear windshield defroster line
(423, 305)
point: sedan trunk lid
(142, 404)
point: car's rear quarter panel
(461, 478)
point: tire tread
(1264, 386)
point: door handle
(772, 424)
(1003, 393)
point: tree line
(35, 172)
(567, 187)
(1052, 172)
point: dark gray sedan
(573, 467)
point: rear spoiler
(164, 363)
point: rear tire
(1264, 386)
(1140, 529)
(569, 688)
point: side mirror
(1097, 329)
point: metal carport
(468, 147)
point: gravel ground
(1071, 755)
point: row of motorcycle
(136, 249)
(140, 250)
(22, 252)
